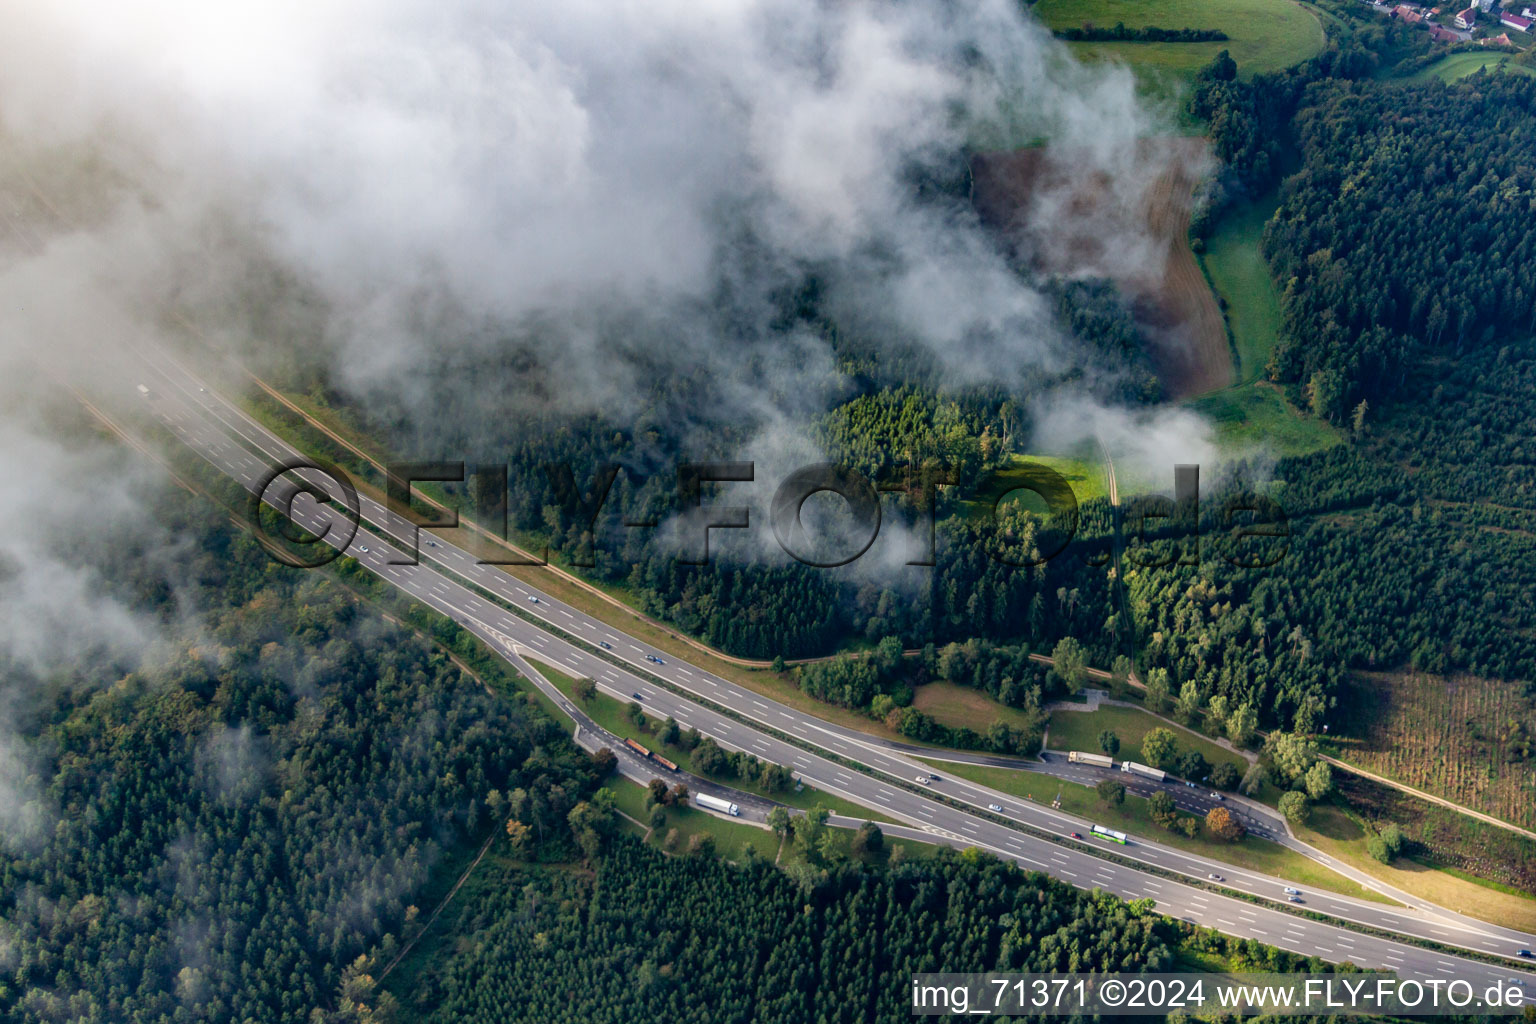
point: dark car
(605, 645)
(1077, 835)
(637, 696)
(1525, 953)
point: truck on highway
(1081, 757)
(1136, 768)
(637, 748)
(714, 803)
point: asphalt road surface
(244, 449)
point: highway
(454, 583)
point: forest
(225, 833)
(647, 937)
(1404, 228)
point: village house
(1466, 18)
(1441, 34)
(1515, 22)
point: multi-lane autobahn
(517, 619)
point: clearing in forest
(1470, 740)
(1133, 231)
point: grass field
(610, 714)
(1257, 416)
(1085, 477)
(1263, 35)
(1134, 818)
(958, 706)
(1333, 831)
(1242, 279)
(1079, 730)
(1460, 65)
(1450, 736)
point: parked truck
(714, 803)
(1102, 760)
(1141, 769)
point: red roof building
(1515, 22)
(1466, 18)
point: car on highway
(637, 696)
(1292, 892)
(1213, 876)
(1076, 835)
(1217, 795)
(1525, 953)
(533, 599)
(922, 780)
(934, 776)
(997, 808)
(431, 543)
(1295, 899)
(1191, 785)
(363, 548)
(605, 645)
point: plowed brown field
(1064, 220)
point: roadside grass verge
(1332, 830)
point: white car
(533, 599)
(363, 548)
(922, 780)
(998, 808)
(1292, 892)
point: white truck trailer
(1080, 757)
(714, 803)
(1143, 770)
